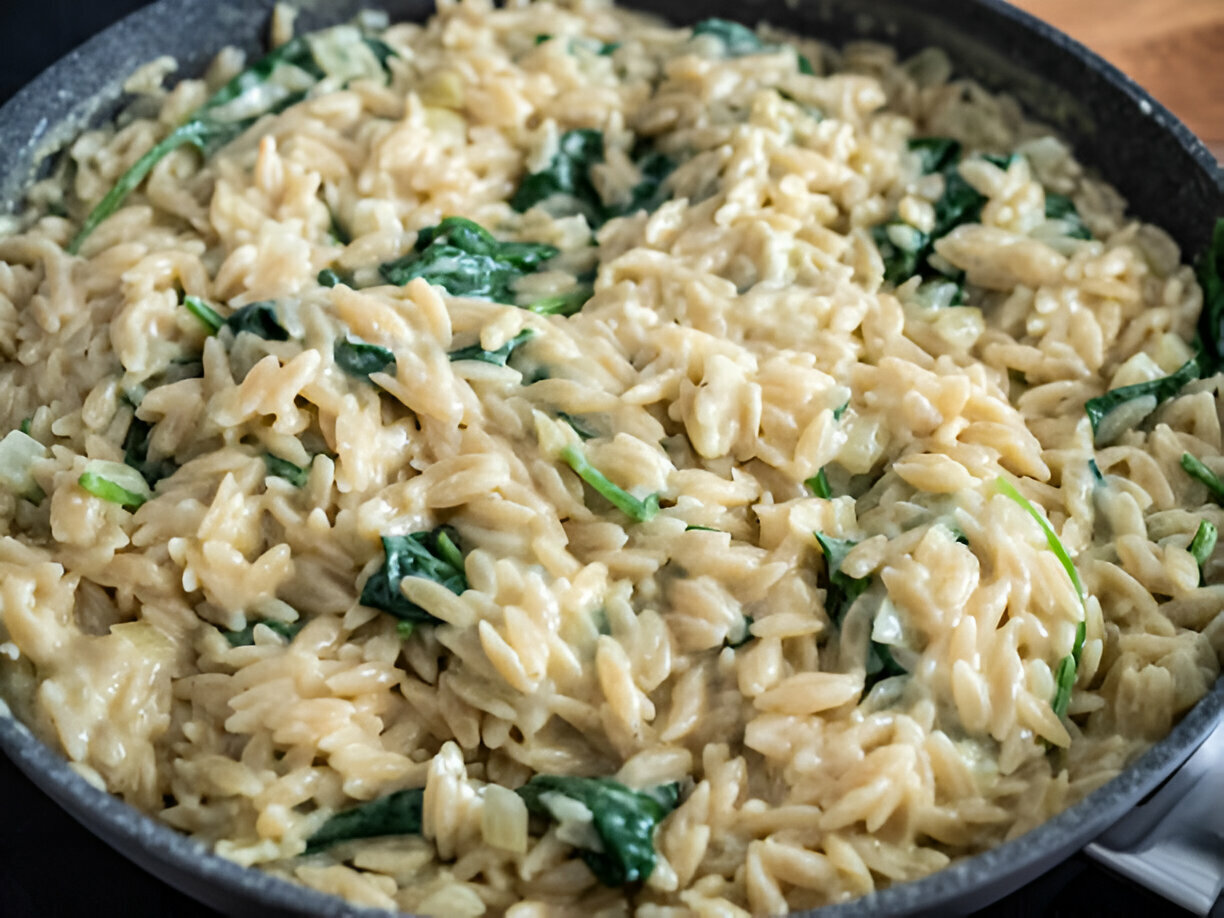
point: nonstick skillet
(1117, 129)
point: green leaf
(1064, 681)
(499, 357)
(405, 630)
(1065, 676)
(650, 192)
(1202, 546)
(1007, 489)
(960, 204)
(568, 174)
(624, 821)
(283, 468)
(693, 527)
(1061, 207)
(206, 314)
(203, 130)
(583, 431)
(841, 590)
(115, 482)
(880, 665)
(1210, 272)
(1159, 390)
(466, 260)
(818, 484)
(902, 249)
(360, 358)
(566, 188)
(246, 637)
(25, 425)
(737, 40)
(399, 813)
(838, 412)
(805, 65)
(1097, 477)
(197, 133)
(640, 511)
(258, 319)
(136, 453)
(432, 555)
(1197, 470)
(935, 154)
(330, 277)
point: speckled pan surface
(1168, 176)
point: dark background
(51, 867)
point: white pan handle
(1173, 842)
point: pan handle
(1173, 842)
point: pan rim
(146, 840)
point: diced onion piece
(18, 452)
(113, 481)
(343, 54)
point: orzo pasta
(546, 458)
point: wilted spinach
(624, 821)
(499, 357)
(465, 259)
(360, 358)
(399, 813)
(432, 555)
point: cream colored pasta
(740, 338)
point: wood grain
(1173, 48)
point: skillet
(1168, 176)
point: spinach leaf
(840, 410)
(959, 204)
(903, 249)
(565, 185)
(1156, 390)
(1202, 546)
(432, 555)
(136, 453)
(399, 813)
(499, 357)
(24, 427)
(1198, 471)
(693, 527)
(584, 432)
(465, 259)
(935, 153)
(206, 314)
(880, 665)
(650, 192)
(211, 127)
(1061, 207)
(737, 40)
(818, 484)
(623, 820)
(360, 358)
(283, 468)
(562, 304)
(330, 277)
(567, 173)
(259, 319)
(639, 511)
(246, 637)
(841, 590)
(1097, 477)
(1064, 677)
(1210, 271)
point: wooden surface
(1173, 48)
